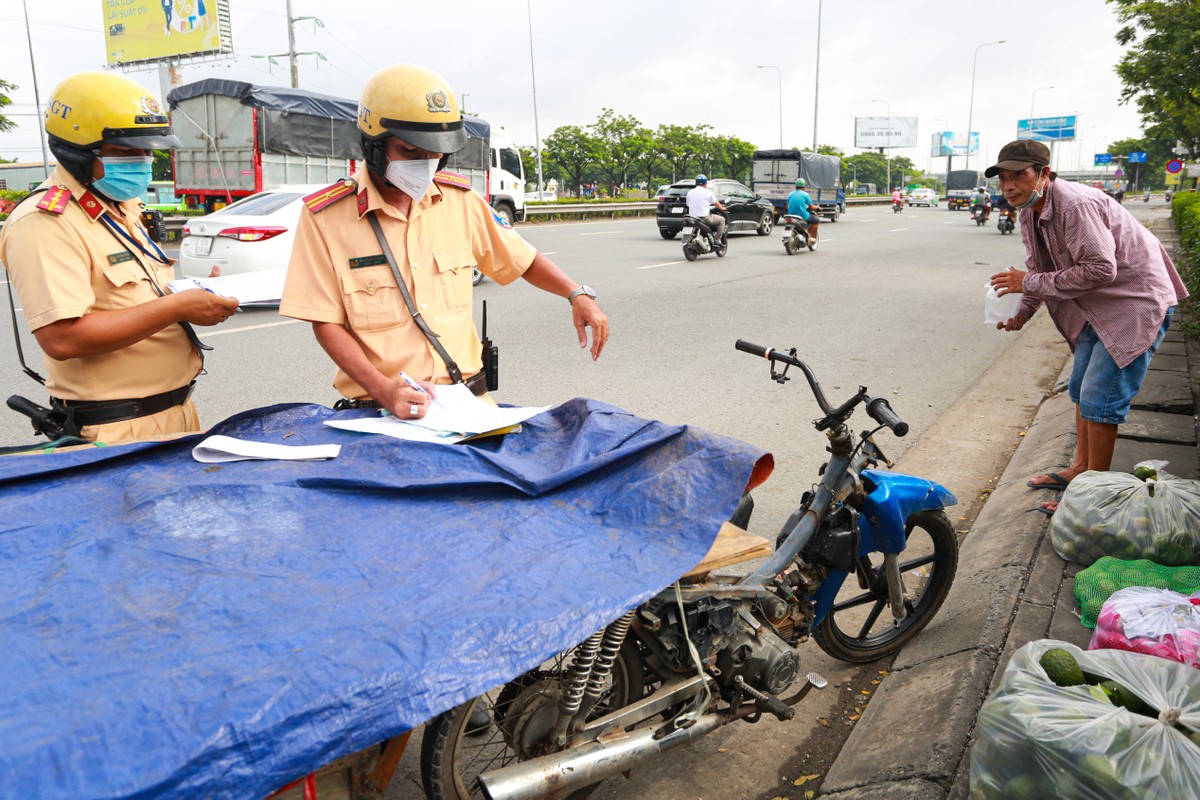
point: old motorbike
(1007, 220)
(861, 566)
(897, 206)
(700, 239)
(795, 235)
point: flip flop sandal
(1056, 482)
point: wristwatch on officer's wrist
(589, 291)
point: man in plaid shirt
(1108, 284)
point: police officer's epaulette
(56, 200)
(330, 194)
(445, 178)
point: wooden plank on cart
(733, 546)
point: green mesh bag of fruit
(1107, 575)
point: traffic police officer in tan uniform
(120, 354)
(437, 229)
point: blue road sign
(1137, 158)
(1047, 129)
(1103, 158)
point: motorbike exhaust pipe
(558, 774)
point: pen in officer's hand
(404, 377)
(218, 294)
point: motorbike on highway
(699, 238)
(795, 235)
(861, 566)
(1007, 220)
(897, 206)
(979, 213)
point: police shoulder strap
(451, 366)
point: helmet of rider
(412, 103)
(701, 179)
(982, 189)
(91, 109)
(800, 183)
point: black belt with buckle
(477, 383)
(102, 412)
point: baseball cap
(1018, 155)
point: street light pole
(36, 98)
(816, 81)
(971, 110)
(778, 70)
(533, 80)
(889, 144)
(1031, 99)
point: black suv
(747, 211)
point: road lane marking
(897, 230)
(207, 334)
(600, 233)
(664, 264)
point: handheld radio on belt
(491, 357)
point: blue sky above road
(661, 62)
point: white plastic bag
(1036, 739)
(1157, 622)
(1116, 514)
(1000, 309)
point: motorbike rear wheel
(791, 246)
(859, 628)
(690, 253)
(454, 752)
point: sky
(659, 62)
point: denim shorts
(1102, 390)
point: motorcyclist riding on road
(982, 203)
(701, 201)
(800, 204)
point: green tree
(680, 145)
(621, 140)
(872, 167)
(1161, 62)
(734, 157)
(571, 151)
(6, 88)
(161, 169)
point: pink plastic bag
(1157, 622)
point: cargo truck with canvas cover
(239, 139)
(775, 173)
(960, 188)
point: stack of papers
(455, 416)
(263, 288)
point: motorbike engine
(728, 637)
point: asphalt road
(892, 301)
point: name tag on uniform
(367, 261)
(117, 258)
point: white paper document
(263, 288)
(454, 416)
(220, 449)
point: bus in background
(160, 195)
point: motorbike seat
(794, 219)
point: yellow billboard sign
(1172, 178)
(154, 30)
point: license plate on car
(203, 245)
(678, 210)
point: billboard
(1047, 129)
(952, 143)
(885, 131)
(138, 31)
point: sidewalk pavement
(913, 741)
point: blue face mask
(125, 178)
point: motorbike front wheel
(859, 626)
(456, 750)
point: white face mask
(1034, 196)
(412, 177)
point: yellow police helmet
(95, 108)
(414, 104)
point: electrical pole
(291, 53)
(36, 98)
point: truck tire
(507, 213)
(837, 213)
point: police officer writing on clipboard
(120, 352)
(385, 277)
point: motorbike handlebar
(753, 349)
(881, 411)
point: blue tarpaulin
(176, 629)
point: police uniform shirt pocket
(373, 302)
(126, 284)
(454, 278)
